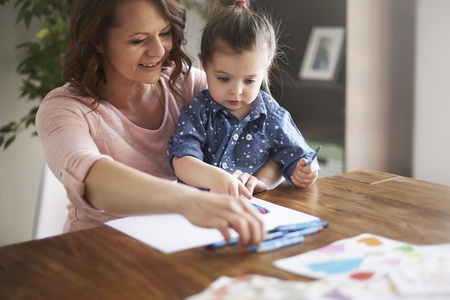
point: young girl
(234, 125)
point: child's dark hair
(233, 24)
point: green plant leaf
(42, 33)
(8, 127)
(37, 10)
(9, 141)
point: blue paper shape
(337, 266)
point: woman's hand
(222, 212)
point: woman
(105, 132)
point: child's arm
(270, 175)
(266, 178)
(304, 176)
(197, 173)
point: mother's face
(135, 51)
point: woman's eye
(137, 42)
(223, 79)
(169, 32)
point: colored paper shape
(336, 295)
(406, 249)
(332, 249)
(371, 241)
(337, 266)
(362, 275)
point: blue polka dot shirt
(210, 132)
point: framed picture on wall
(323, 55)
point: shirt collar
(257, 109)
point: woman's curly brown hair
(91, 19)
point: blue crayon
(314, 156)
(306, 231)
(289, 238)
(274, 235)
(235, 240)
(261, 209)
(274, 244)
(299, 226)
(223, 243)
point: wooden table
(103, 263)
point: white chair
(51, 211)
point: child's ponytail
(234, 25)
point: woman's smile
(151, 67)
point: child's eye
(250, 81)
(223, 79)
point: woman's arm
(121, 190)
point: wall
(194, 26)
(21, 163)
(431, 159)
(317, 107)
(380, 31)
(397, 88)
(380, 60)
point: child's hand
(252, 183)
(304, 176)
(229, 184)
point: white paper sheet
(370, 267)
(172, 232)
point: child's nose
(236, 89)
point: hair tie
(241, 2)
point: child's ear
(97, 42)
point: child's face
(235, 79)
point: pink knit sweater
(74, 136)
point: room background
(397, 104)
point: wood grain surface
(102, 263)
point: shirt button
(235, 136)
(248, 137)
(225, 166)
